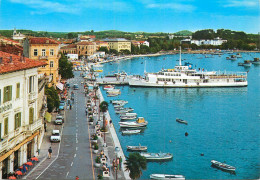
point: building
(100, 44)
(215, 42)
(72, 56)
(139, 43)
(47, 50)
(18, 36)
(21, 127)
(70, 49)
(12, 49)
(4, 40)
(86, 48)
(119, 44)
(86, 38)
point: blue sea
(223, 123)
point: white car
(55, 137)
(59, 120)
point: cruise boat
(167, 176)
(185, 76)
(140, 122)
(157, 156)
(222, 166)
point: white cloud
(243, 3)
(174, 6)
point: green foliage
(52, 98)
(113, 51)
(135, 163)
(103, 106)
(125, 51)
(97, 160)
(104, 49)
(95, 146)
(100, 176)
(183, 33)
(65, 68)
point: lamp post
(116, 153)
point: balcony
(31, 97)
(43, 57)
(30, 128)
(3, 144)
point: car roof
(55, 131)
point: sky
(130, 15)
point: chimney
(11, 59)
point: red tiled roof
(11, 40)
(85, 43)
(42, 40)
(17, 64)
(69, 46)
(12, 49)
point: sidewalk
(44, 162)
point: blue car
(62, 105)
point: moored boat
(222, 166)
(140, 122)
(167, 176)
(181, 121)
(109, 87)
(247, 63)
(239, 55)
(118, 101)
(137, 148)
(157, 156)
(122, 110)
(256, 61)
(135, 131)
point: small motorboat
(247, 63)
(181, 121)
(233, 57)
(240, 64)
(109, 87)
(256, 61)
(119, 101)
(127, 116)
(122, 110)
(239, 55)
(222, 166)
(140, 122)
(167, 176)
(157, 156)
(127, 131)
(137, 148)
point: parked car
(62, 105)
(68, 85)
(55, 137)
(59, 119)
(75, 86)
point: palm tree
(103, 107)
(135, 163)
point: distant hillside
(183, 33)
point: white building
(215, 42)
(72, 56)
(21, 127)
(18, 36)
(145, 43)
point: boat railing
(229, 75)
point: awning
(48, 117)
(60, 86)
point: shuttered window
(7, 93)
(18, 90)
(6, 126)
(17, 120)
(31, 115)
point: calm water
(223, 123)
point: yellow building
(119, 44)
(47, 50)
(86, 48)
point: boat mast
(144, 66)
(180, 57)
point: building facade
(46, 50)
(119, 44)
(215, 42)
(21, 127)
(86, 48)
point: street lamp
(116, 153)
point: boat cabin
(140, 120)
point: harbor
(213, 130)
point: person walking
(50, 152)
(120, 162)
(45, 127)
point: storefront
(16, 159)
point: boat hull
(167, 176)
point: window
(31, 115)
(51, 52)
(51, 63)
(17, 120)
(7, 93)
(43, 52)
(35, 52)
(31, 84)
(6, 126)
(18, 90)
(51, 74)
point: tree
(65, 68)
(104, 49)
(135, 163)
(113, 51)
(103, 108)
(52, 98)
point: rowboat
(140, 122)
(127, 131)
(157, 156)
(137, 148)
(222, 166)
(181, 121)
(167, 176)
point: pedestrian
(70, 106)
(77, 178)
(45, 127)
(110, 122)
(50, 152)
(120, 162)
(114, 164)
(117, 163)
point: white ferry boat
(185, 76)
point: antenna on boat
(180, 57)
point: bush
(98, 159)
(95, 146)
(100, 176)
(91, 119)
